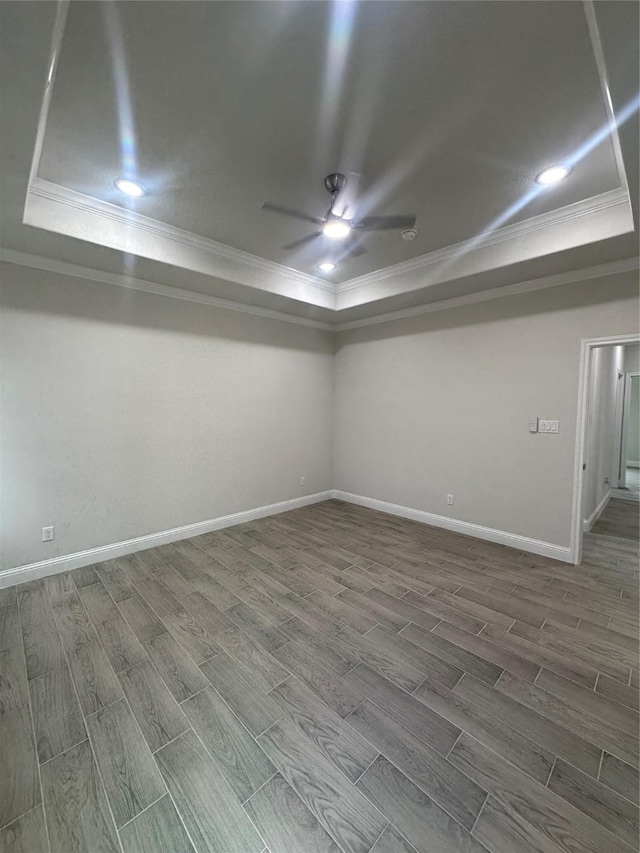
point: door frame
(628, 378)
(587, 345)
(621, 396)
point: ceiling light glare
(336, 229)
(552, 175)
(130, 188)
(327, 266)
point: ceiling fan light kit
(336, 228)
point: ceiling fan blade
(291, 211)
(386, 223)
(303, 241)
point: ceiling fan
(340, 227)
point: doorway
(605, 424)
(628, 485)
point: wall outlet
(450, 500)
(48, 534)
(303, 481)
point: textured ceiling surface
(443, 109)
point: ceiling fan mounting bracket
(334, 182)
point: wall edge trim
(588, 523)
(467, 528)
(67, 562)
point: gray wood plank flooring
(241, 761)
(211, 812)
(329, 680)
(27, 834)
(285, 822)
(130, 776)
(57, 717)
(157, 828)
(157, 712)
(78, 815)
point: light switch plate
(552, 427)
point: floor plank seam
(146, 808)
(379, 837)
(266, 782)
(479, 813)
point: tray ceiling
(446, 110)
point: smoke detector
(409, 234)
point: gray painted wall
(440, 403)
(125, 414)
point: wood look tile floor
(330, 679)
(620, 518)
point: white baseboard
(513, 540)
(118, 549)
(588, 523)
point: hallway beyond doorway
(632, 490)
(621, 519)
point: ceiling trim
(132, 219)
(569, 213)
(57, 35)
(68, 211)
(63, 268)
(609, 269)
(601, 65)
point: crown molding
(596, 204)
(62, 267)
(609, 269)
(111, 213)
(72, 198)
(200, 254)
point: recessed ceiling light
(326, 266)
(130, 188)
(336, 228)
(552, 175)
